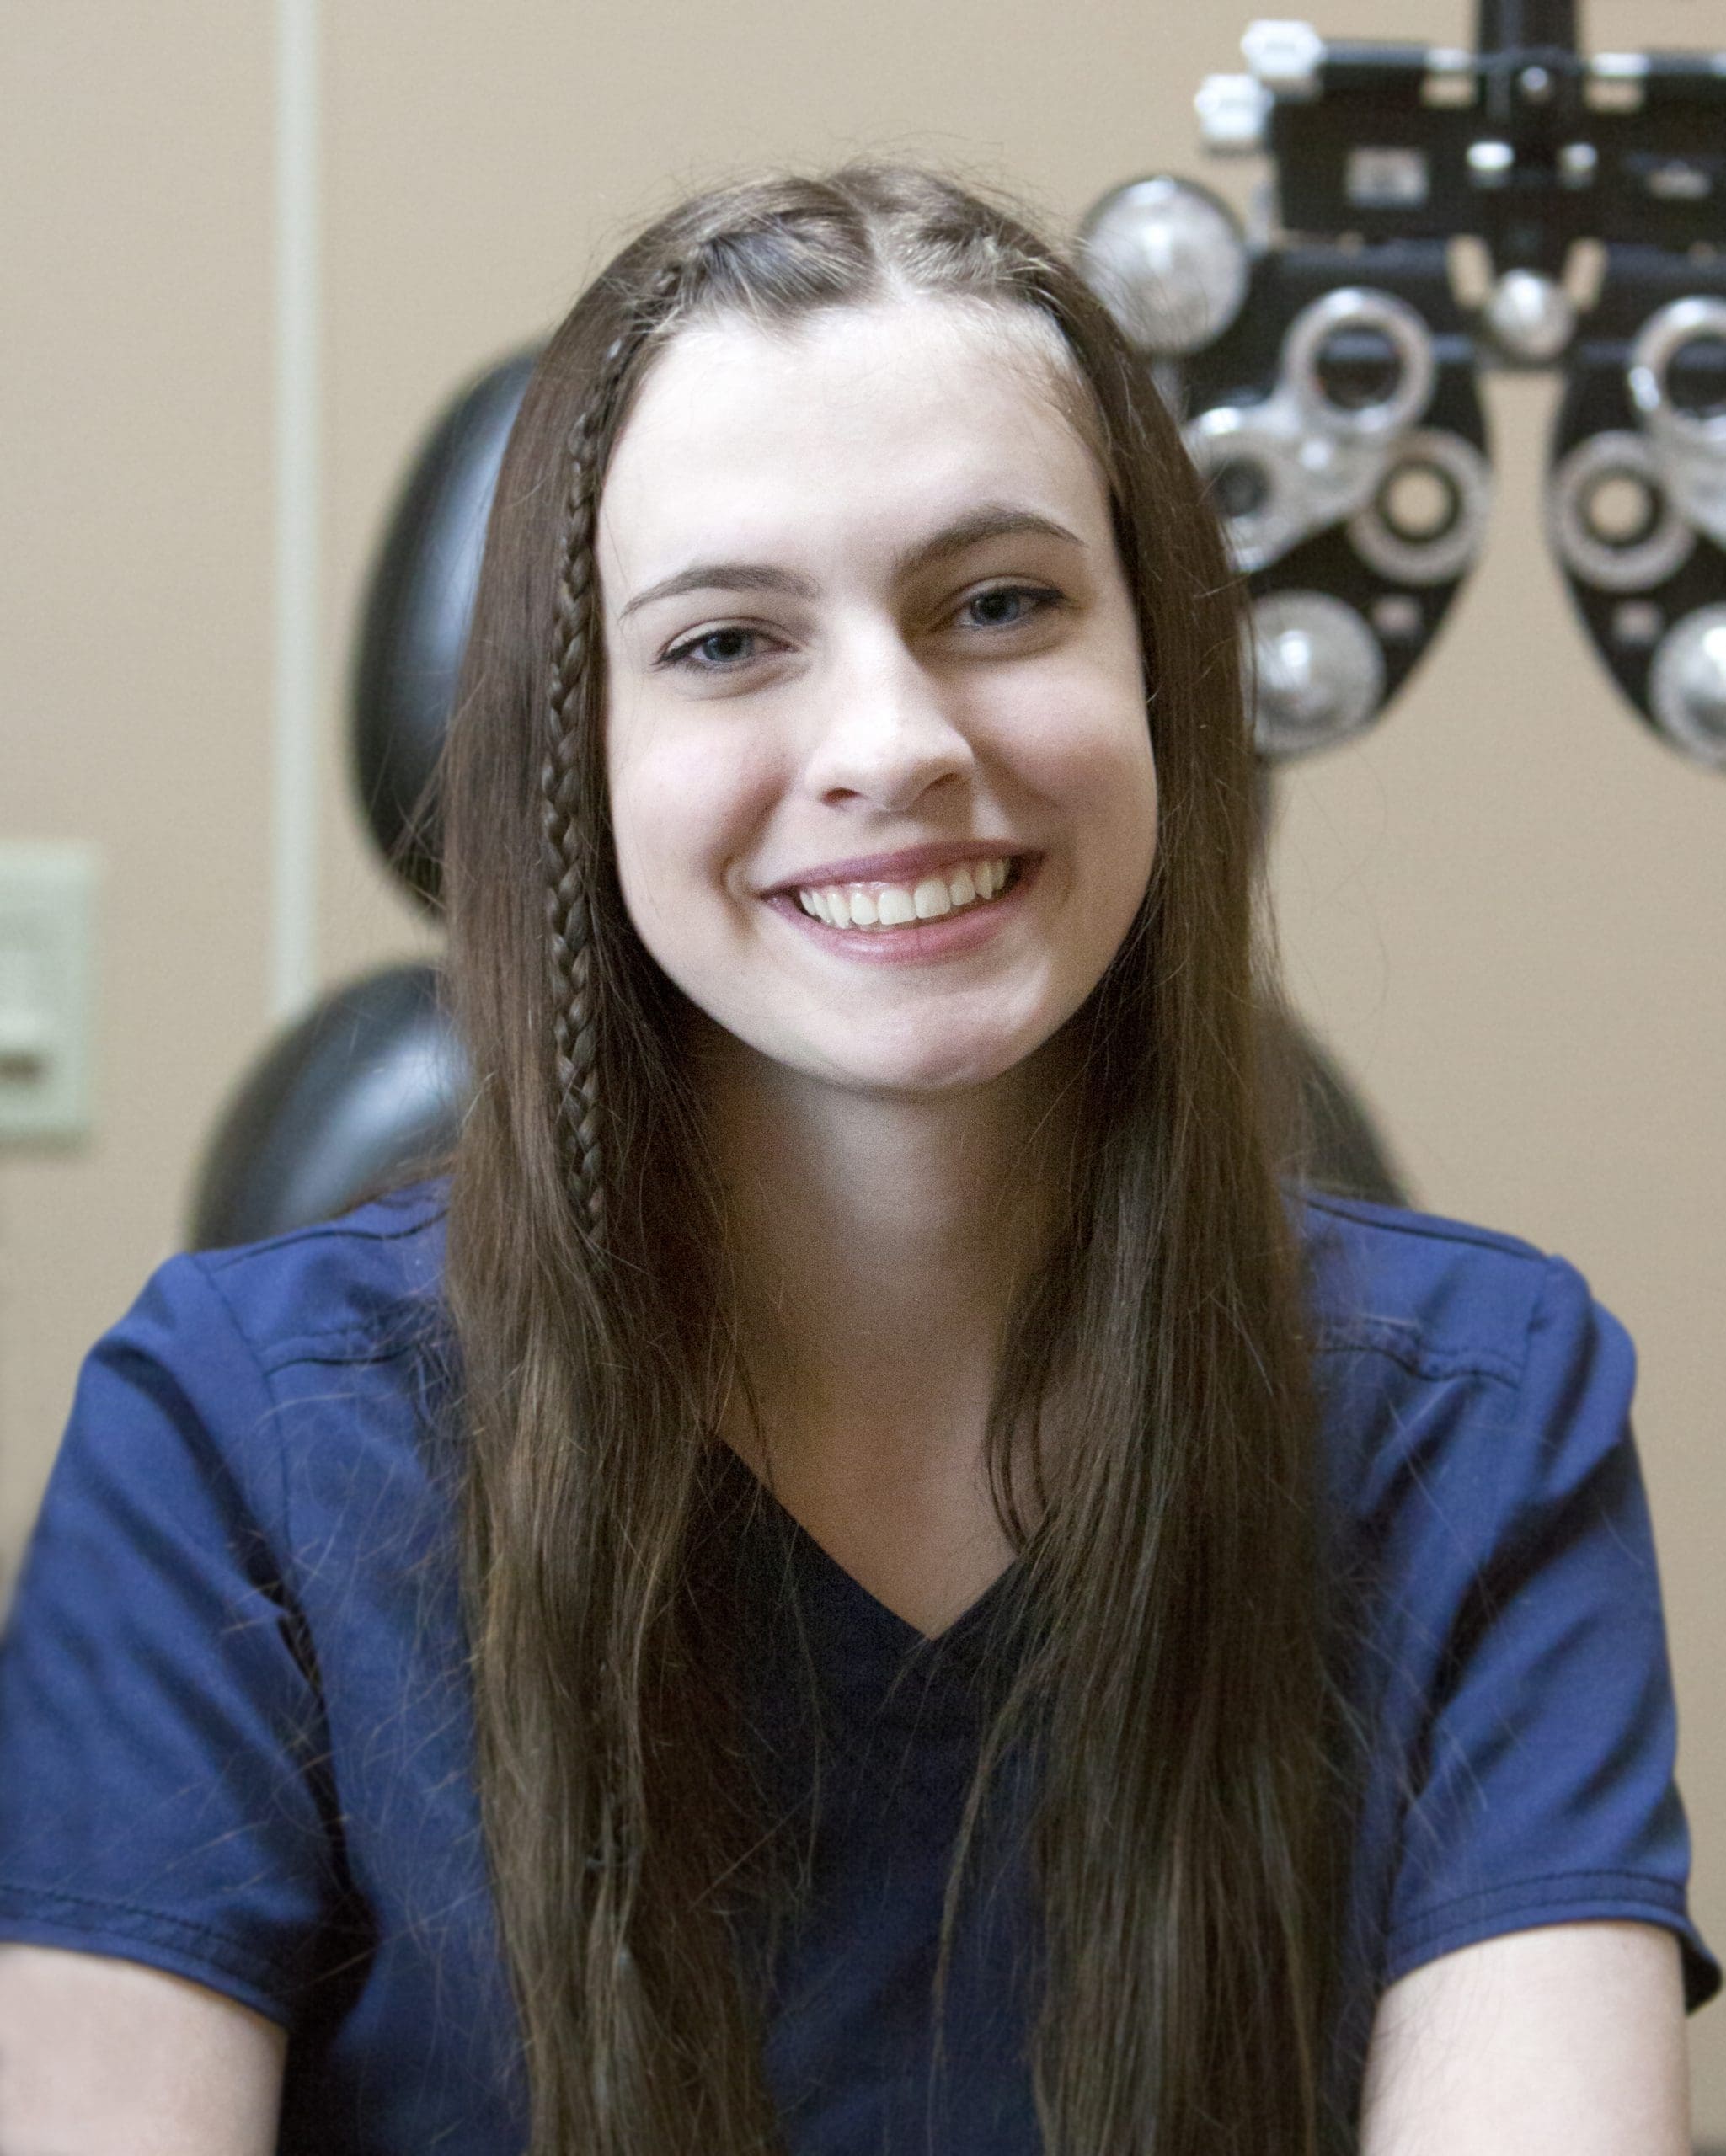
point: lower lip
(949, 937)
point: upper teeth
(885, 906)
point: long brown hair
(1175, 1670)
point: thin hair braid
(569, 847)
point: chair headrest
(418, 609)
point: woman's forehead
(843, 412)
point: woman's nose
(885, 728)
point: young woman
(860, 1577)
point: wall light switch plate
(48, 988)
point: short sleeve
(1544, 1790)
(163, 1792)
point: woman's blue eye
(1027, 598)
(712, 643)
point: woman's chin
(902, 1054)
(920, 1068)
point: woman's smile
(940, 916)
(892, 905)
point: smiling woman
(860, 1575)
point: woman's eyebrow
(991, 520)
(724, 576)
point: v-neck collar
(862, 1653)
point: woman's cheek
(1095, 766)
(1107, 787)
(690, 804)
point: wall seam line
(297, 686)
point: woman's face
(868, 638)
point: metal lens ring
(1639, 562)
(1442, 552)
(1663, 337)
(1688, 686)
(1319, 672)
(1256, 481)
(1374, 317)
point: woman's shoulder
(1449, 1354)
(365, 1284)
(1436, 1294)
(256, 1370)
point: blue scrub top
(235, 1741)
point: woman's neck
(879, 1242)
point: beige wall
(1507, 908)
